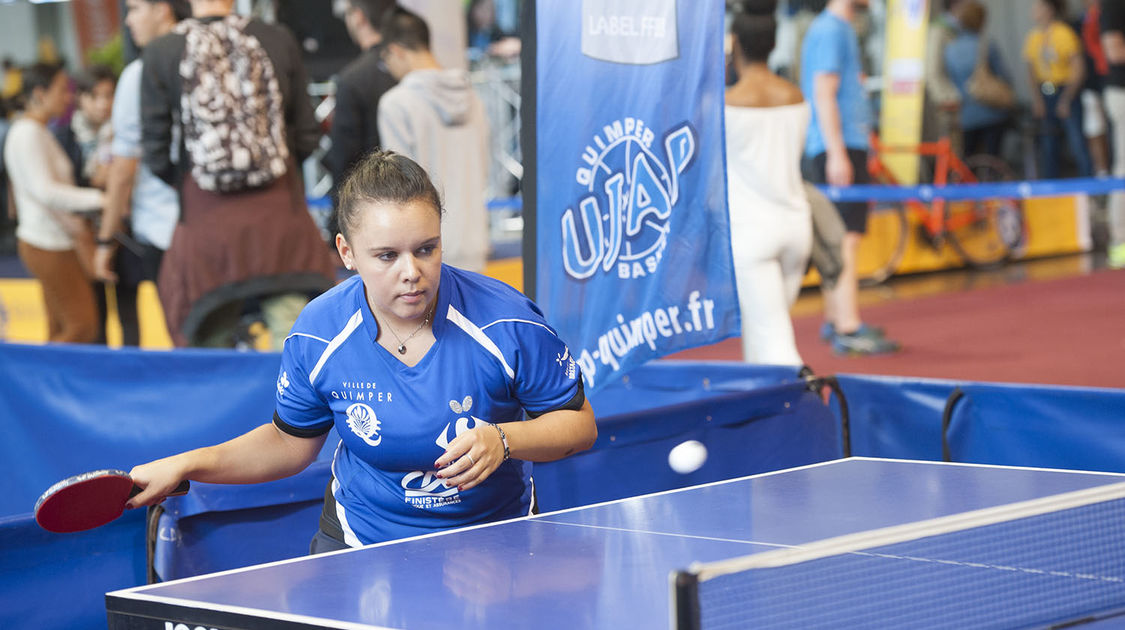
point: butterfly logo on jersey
(464, 423)
(362, 422)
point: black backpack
(231, 107)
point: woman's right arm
(33, 169)
(264, 454)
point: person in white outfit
(770, 221)
(55, 243)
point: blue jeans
(1051, 128)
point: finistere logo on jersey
(627, 194)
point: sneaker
(859, 344)
(828, 331)
(1116, 258)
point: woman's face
(396, 249)
(56, 98)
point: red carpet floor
(1067, 331)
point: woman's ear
(345, 252)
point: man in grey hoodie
(434, 117)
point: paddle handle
(183, 488)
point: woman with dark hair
(87, 141)
(982, 125)
(770, 222)
(425, 371)
(53, 242)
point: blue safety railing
(983, 190)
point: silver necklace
(402, 342)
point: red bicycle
(983, 232)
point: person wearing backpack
(226, 119)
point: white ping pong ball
(687, 457)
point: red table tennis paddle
(88, 500)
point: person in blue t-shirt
(424, 370)
(836, 153)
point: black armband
(574, 404)
(301, 432)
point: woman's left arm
(474, 455)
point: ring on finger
(472, 462)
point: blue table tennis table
(614, 565)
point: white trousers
(770, 257)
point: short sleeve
(547, 376)
(1068, 42)
(126, 115)
(829, 55)
(300, 411)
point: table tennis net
(1028, 564)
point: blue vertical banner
(633, 245)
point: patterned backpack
(231, 107)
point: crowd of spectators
(127, 206)
(130, 202)
(1074, 69)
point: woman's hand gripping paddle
(88, 500)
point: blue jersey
(493, 357)
(830, 46)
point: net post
(685, 601)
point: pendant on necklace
(402, 348)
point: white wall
(17, 32)
(23, 24)
(448, 29)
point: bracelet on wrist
(106, 242)
(504, 441)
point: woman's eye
(386, 256)
(426, 250)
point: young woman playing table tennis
(423, 369)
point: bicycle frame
(934, 219)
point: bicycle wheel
(883, 245)
(986, 232)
